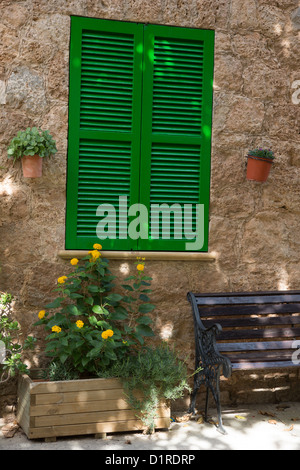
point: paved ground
(250, 427)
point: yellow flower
(97, 246)
(56, 329)
(140, 267)
(79, 324)
(107, 334)
(41, 314)
(74, 261)
(61, 280)
(94, 255)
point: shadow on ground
(249, 427)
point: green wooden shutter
(122, 74)
(104, 126)
(176, 128)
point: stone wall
(254, 227)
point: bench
(242, 331)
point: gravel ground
(249, 427)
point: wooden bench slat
(247, 293)
(258, 356)
(255, 322)
(262, 365)
(260, 333)
(263, 345)
(261, 309)
(247, 299)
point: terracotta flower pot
(258, 168)
(32, 166)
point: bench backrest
(259, 329)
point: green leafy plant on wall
(32, 141)
(262, 153)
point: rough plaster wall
(254, 228)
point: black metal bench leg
(212, 383)
(220, 427)
(216, 394)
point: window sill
(149, 255)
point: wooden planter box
(78, 407)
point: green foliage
(157, 373)
(58, 371)
(31, 142)
(94, 331)
(91, 327)
(5, 300)
(263, 153)
(10, 333)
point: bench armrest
(207, 353)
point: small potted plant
(259, 164)
(31, 146)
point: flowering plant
(102, 334)
(262, 153)
(89, 326)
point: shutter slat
(104, 56)
(175, 191)
(166, 60)
(102, 167)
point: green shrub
(10, 339)
(157, 373)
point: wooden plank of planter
(75, 397)
(95, 428)
(23, 413)
(74, 385)
(92, 406)
(82, 407)
(85, 418)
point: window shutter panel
(176, 131)
(104, 127)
